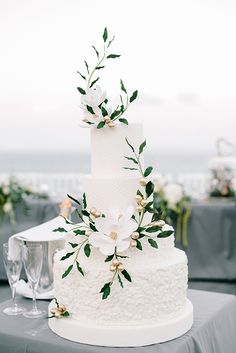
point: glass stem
(34, 297)
(13, 291)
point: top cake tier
(109, 148)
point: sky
(180, 55)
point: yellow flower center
(113, 235)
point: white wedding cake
(153, 307)
(120, 281)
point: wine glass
(13, 267)
(33, 261)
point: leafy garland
(144, 204)
(90, 81)
(12, 193)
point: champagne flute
(13, 267)
(33, 262)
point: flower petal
(127, 228)
(103, 225)
(122, 245)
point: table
(212, 240)
(213, 331)
(40, 211)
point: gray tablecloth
(213, 331)
(212, 240)
(40, 211)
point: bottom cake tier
(152, 308)
(123, 335)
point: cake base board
(122, 336)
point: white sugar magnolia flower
(93, 98)
(113, 231)
(173, 193)
(7, 207)
(95, 119)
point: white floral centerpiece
(174, 206)
(12, 193)
(222, 181)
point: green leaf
(81, 75)
(73, 199)
(92, 227)
(74, 245)
(120, 281)
(148, 171)
(85, 213)
(113, 56)
(68, 270)
(130, 168)
(149, 188)
(129, 144)
(87, 250)
(139, 245)
(141, 147)
(90, 109)
(93, 83)
(97, 53)
(110, 41)
(79, 268)
(122, 87)
(66, 314)
(115, 114)
(79, 232)
(122, 256)
(105, 35)
(69, 254)
(104, 112)
(165, 233)
(84, 200)
(134, 96)
(140, 229)
(109, 258)
(81, 90)
(99, 67)
(87, 67)
(106, 290)
(126, 275)
(132, 159)
(153, 243)
(66, 220)
(124, 121)
(153, 229)
(59, 229)
(101, 124)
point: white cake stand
(122, 336)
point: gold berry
(135, 235)
(120, 267)
(112, 268)
(97, 214)
(93, 210)
(143, 182)
(139, 208)
(115, 262)
(61, 308)
(57, 313)
(144, 203)
(133, 242)
(138, 198)
(111, 124)
(107, 119)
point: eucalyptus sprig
(91, 77)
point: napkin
(24, 289)
(42, 232)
